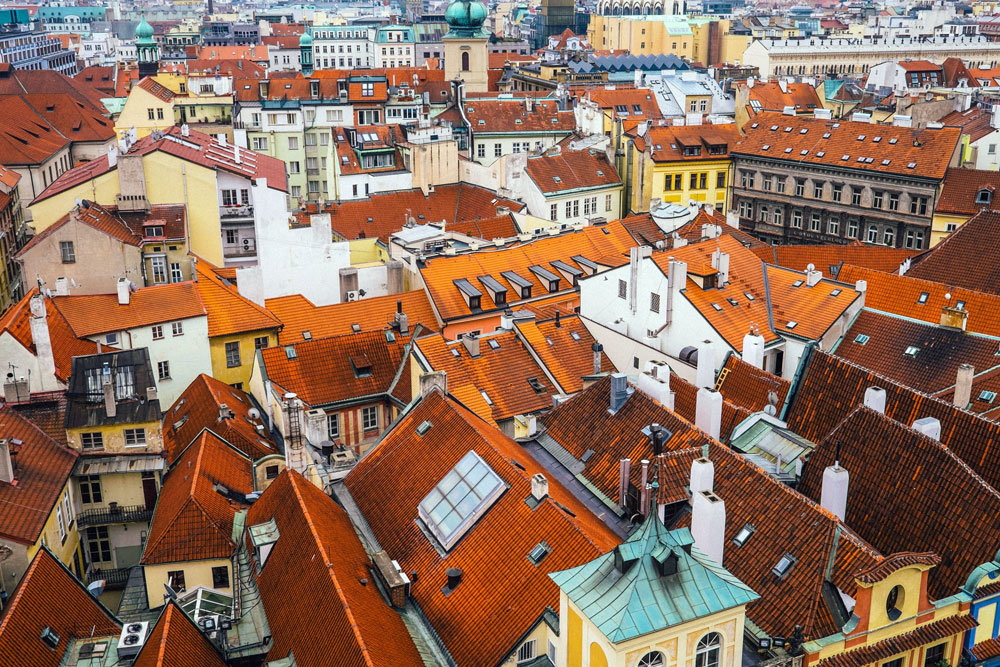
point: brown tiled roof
(47, 411)
(256, 52)
(319, 558)
(90, 314)
(923, 635)
(65, 344)
(49, 596)
(961, 187)
(667, 142)
(175, 641)
(563, 346)
(932, 368)
(974, 122)
(546, 309)
(49, 81)
(493, 553)
(749, 386)
(26, 139)
(894, 470)
(686, 405)
(156, 89)
(830, 257)
(895, 145)
(228, 312)
(501, 373)
(571, 170)
(297, 315)
(989, 648)
(193, 520)
(200, 407)
(949, 261)
(322, 370)
(802, 96)
(500, 227)
(500, 116)
(73, 118)
(232, 68)
(609, 98)
(895, 562)
(41, 469)
(96, 216)
(693, 230)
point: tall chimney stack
(708, 524)
(597, 349)
(6, 464)
(963, 386)
(833, 495)
(708, 412)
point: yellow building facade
(145, 111)
(195, 573)
(60, 533)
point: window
(797, 219)
(461, 497)
(163, 370)
(777, 216)
(293, 143)
(855, 196)
(893, 201)
(260, 342)
(333, 426)
(175, 579)
(817, 190)
(877, 197)
(800, 187)
(99, 544)
(746, 209)
(873, 234)
(90, 489)
(159, 265)
(833, 226)
(838, 191)
(766, 183)
(918, 205)
(177, 328)
(746, 179)
(175, 272)
(607, 202)
(67, 508)
(68, 254)
(720, 181)
(814, 222)
(651, 659)
(889, 237)
(159, 114)
(220, 577)
(852, 229)
(622, 288)
(784, 565)
(92, 440)
(984, 197)
(497, 150)
(744, 535)
(894, 602)
(654, 302)
(135, 437)
(527, 651)
(270, 472)
(151, 114)
(61, 523)
(369, 418)
(259, 143)
(232, 354)
(934, 656)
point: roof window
(574, 335)
(826, 135)
(486, 397)
(788, 150)
(755, 126)
(540, 551)
(356, 328)
(845, 157)
(804, 151)
(885, 163)
(911, 165)
(894, 141)
(835, 292)
(765, 147)
(804, 130)
(494, 344)
(290, 352)
(987, 396)
(788, 129)
(911, 351)
(862, 339)
(716, 306)
(749, 296)
(307, 335)
(744, 535)
(458, 500)
(876, 139)
(861, 137)
(798, 283)
(361, 366)
(792, 324)
(820, 153)
(424, 427)
(984, 196)
(784, 565)
(536, 385)
(774, 127)
(923, 297)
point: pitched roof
(667, 143)
(73, 118)
(42, 468)
(928, 150)
(196, 148)
(49, 596)
(26, 139)
(503, 116)
(571, 170)
(693, 231)
(638, 102)
(886, 648)
(319, 558)
(592, 243)
(564, 347)
(193, 520)
(975, 122)
(499, 542)
(65, 344)
(328, 370)
(91, 314)
(156, 89)
(748, 386)
(228, 312)
(255, 52)
(227, 67)
(94, 215)
(949, 261)
(48, 81)
(175, 641)
(961, 190)
(771, 97)
(298, 315)
(829, 258)
(200, 406)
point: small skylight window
(732, 301)
(455, 352)
(574, 335)
(861, 159)
(424, 427)
(290, 352)
(960, 305)
(792, 325)
(486, 397)
(845, 158)
(788, 150)
(911, 350)
(748, 295)
(600, 173)
(481, 122)
(549, 341)
(744, 535)
(862, 339)
(494, 344)
(894, 141)
(540, 551)
(923, 297)
(765, 147)
(885, 163)
(911, 165)
(784, 565)
(826, 135)
(390, 337)
(836, 125)
(987, 396)
(458, 500)
(835, 292)
(716, 306)
(804, 130)
(755, 126)
(876, 139)
(557, 179)
(804, 151)
(798, 283)
(788, 129)
(356, 328)
(307, 335)
(774, 127)
(861, 137)
(820, 153)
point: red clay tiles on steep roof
(257, 53)
(974, 122)
(499, 542)
(26, 137)
(192, 520)
(48, 81)
(771, 97)
(988, 648)
(65, 344)
(667, 142)
(967, 257)
(49, 596)
(102, 219)
(630, 98)
(829, 258)
(231, 68)
(229, 312)
(156, 89)
(74, 119)
(298, 315)
(320, 558)
(962, 187)
(501, 117)
(894, 563)
(175, 641)
(749, 386)
(952, 626)
(571, 170)
(200, 407)
(91, 314)
(563, 346)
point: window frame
(369, 418)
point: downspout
(459, 89)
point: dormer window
(521, 285)
(153, 232)
(472, 296)
(984, 196)
(263, 537)
(495, 289)
(361, 366)
(546, 277)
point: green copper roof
(625, 595)
(144, 32)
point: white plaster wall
(16, 359)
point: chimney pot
(471, 342)
(875, 399)
(124, 291)
(705, 376)
(708, 524)
(753, 349)
(833, 495)
(619, 391)
(454, 575)
(702, 474)
(624, 470)
(539, 486)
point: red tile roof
(156, 89)
(572, 170)
(257, 53)
(952, 626)
(497, 60)
(175, 641)
(297, 315)
(493, 553)
(563, 346)
(197, 148)
(750, 387)
(200, 407)
(829, 258)
(91, 314)
(49, 596)
(630, 98)
(930, 159)
(500, 116)
(322, 371)
(961, 187)
(949, 261)
(894, 563)
(320, 558)
(27, 138)
(667, 143)
(500, 227)
(228, 312)
(41, 471)
(771, 97)
(192, 520)
(76, 120)
(974, 122)
(94, 215)
(49, 81)
(230, 68)
(988, 648)
(65, 344)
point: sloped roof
(771, 97)
(667, 142)
(564, 347)
(199, 407)
(493, 553)
(748, 386)
(961, 187)
(65, 344)
(50, 596)
(828, 258)
(228, 312)
(193, 520)
(948, 261)
(503, 116)
(319, 558)
(98, 217)
(42, 468)
(630, 98)
(73, 118)
(156, 89)
(922, 636)
(175, 641)
(91, 314)
(26, 138)
(49, 81)
(975, 122)
(571, 170)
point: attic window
(911, 351)
(876, 139)
(536, 385)
(455, 353)
(804, 151)
(923, 297)
(788, 150)
(845, 158)
(716, 306)
(424, 427)
(732, 301)
(861, 137)
(984, 196)
(755, 126)
(486, 397)
(290, 352)
(50, 637)
(784, 565)
(820, 153)
(307, 335)
(472, 296)
(894, 141)
(765, 147)
(361, 365)
(494, 344)
(798, 283)
(835, 292)
(574, 335)
(356, 328)
(804, 130)
(788, 129)
(792, 325)
(862, 339)
(911, 165)
(458, 500)
(826, 135)
(749, 296)
(960, 305)
(540, 551)
(885, 163)
(987, 396)
(744, 535)
(557, 179)
(774, 127)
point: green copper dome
(144, 31)
(465, 18)
(306, 39)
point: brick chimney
(471, 342)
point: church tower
(306, 53)
(465, 50)
(147, 50)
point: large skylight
(463, 496)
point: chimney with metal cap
(619, 392)
(702, 473)
(708, 524)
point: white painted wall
(22, 363)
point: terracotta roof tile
(91, 314)
(546, 309)
(563, 346)
(192, 520)
(978, 239)
(974, 122)
(227, 67)
(321, 372)
(229, 312)
(771, 97)
(50, 596)
(667, 143)
(693, 231)
(923, 635)
(498, 542)
(297, 315)
(49, 81)
(749, 386)
(156, 89)
(989, 648)
(41, 469)
(65, 344)
(320, 558)
(47, 411)
(894, 563)
(94, 215)
(630, 98)
(930, 159)
(829, 258)
(199, 407)
(256, 52)
(27, 138)
(73, 118)
(500, 227)
(961, 188)
(571, 170)
(501, 116)
(175, 641)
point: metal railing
(241, 211)
(113, 514)
(113, 577)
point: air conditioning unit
(353, 295)
(132, 638)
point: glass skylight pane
(464, 494)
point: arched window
(709, 650)
(465, 61)
(651, 659)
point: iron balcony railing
(114, 514)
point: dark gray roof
(130, 373)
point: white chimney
(539, 486)
(112, 156)
(624, 470)
(720, 262)
(753, 349)
(124, 291)
(833, 496)
(783, 84)
(6, 465)
(185, 130)
(813, 276)
(708, 412)
(861, 286)
(236, 154)
(963, 386)
(62, 286)
(875, 399)
(38, 322)
(705, 376)
(702, 473)
(708, 524)
(929, 426)
(655, 383)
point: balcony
(231, 211)
(114, 578)
(113, 513)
